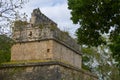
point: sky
(57, 10)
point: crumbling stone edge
(48, 63)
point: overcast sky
(57, 10)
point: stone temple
(43, 52)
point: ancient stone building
(43, 52)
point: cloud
(57, 10)
(44, 3)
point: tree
(96, 17)
(5, 48)
(115, 48)
(99, 61)
(8, 10)
(8, 13)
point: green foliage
(88, 57)
(5, 46)
(99, 61)
(96, 17)
(115, 48)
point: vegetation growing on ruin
(19, 23)
(40, 26)
(53, 28)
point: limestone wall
(45, 50)
(65, 54)
(43, 71)
(32, 51)
(46, 32)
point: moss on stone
(40, 26)
(16, 70)
(52, 28)
(26, 61)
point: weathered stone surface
(32, 51)
(46, 71)
(41, 40)
(30, 73)
(63, 53)
(45, 50)
(39, 18)
(42, 28)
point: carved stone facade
(42, 40)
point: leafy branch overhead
(9, 11)
(96, 18)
